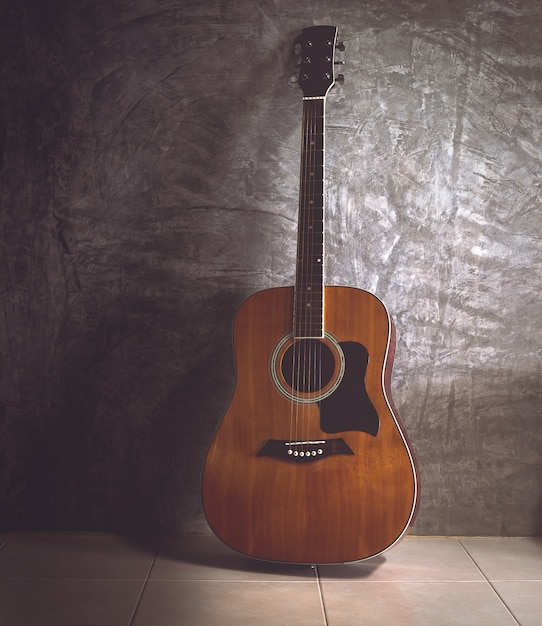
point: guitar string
(310, 352)
(321, 235)
(296, 365)
(318, 234)
(307, 269)
(307, 311)
(311, 362)
(319, 228)
(306, 355)
(309, 258)
(304, 344)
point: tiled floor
(103, 580)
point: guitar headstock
(317, 51)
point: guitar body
(304, 475)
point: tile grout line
(503, 602)
(143, 588)
(492, 587)
(321, 595)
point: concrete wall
(149, 155)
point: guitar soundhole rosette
(307, 370)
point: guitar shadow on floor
(204, 556)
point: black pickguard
(349, 407)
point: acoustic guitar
(310, 463)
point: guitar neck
(309, 283)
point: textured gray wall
(149, 177)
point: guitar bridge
(304, 451)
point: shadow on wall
(172, 404)
(123, 342)
(122, 449)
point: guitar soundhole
(307, 370)
(308, 365)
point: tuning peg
(339, 62)
(340, 46)
(339, 79)
(293, 81)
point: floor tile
(68, 602)
(226, 603)
(524, 599)
(207, 558)
(73, 556)
(413, 604)
(84, 580)
(507, 558)
(414, 559)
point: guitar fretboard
(309, 284)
